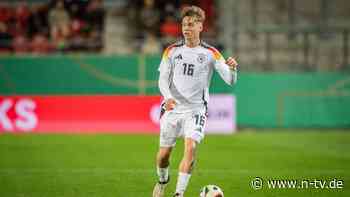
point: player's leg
(194, 124)
(163, 156)
(168, 135)
(186, 166)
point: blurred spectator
(5, 12)
(95, 15)
(150, 17)
(20, 44)
(170, 8)
(5, 38)
(77, 42)
(170, 27)
(77, 9)
(22, 14)
(151, 45)
(170, 30)
(208, 7)
(60, 43)
(78, 26)
(59, 22)
(38, 20)
(94, 41)
(40, 44)
(70, 25)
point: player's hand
(232, 63)
(169, 104)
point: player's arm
(227, 69)
(164, 81)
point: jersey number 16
(188, 69)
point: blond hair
(193, 11)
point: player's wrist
(234, 68)
(169, 104)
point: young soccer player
(185, 73)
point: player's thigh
(168, 129)
(194, 125)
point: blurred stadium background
(90, 66)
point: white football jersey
(185, 74)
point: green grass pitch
(124, 165)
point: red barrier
(115, 114)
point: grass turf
(123, 165)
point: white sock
(163, 174)
(182, 182)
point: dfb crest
(201, 58)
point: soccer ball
(211, 191)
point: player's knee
(163, 156)
(165, 153)
(163, 159)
